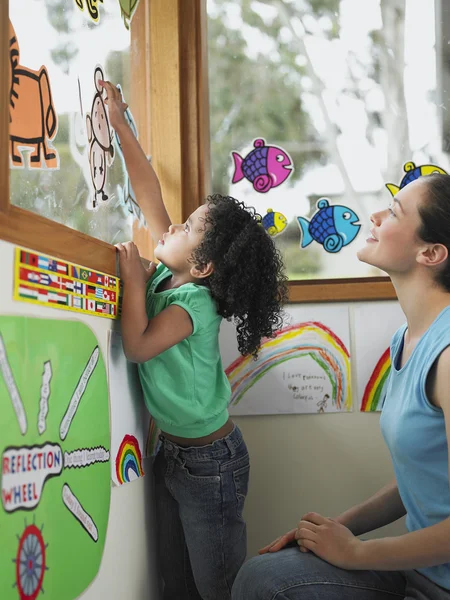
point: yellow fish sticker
(274, 222)
(413, 173)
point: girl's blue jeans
(200, 494)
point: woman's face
(393, 244)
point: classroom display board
(55, 457)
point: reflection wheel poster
(55, 458)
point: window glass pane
(65, 163)
(350, 90)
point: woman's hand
(116, 105)
(329, 540)
(131, 268)
(280, 543)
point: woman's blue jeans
(293, 575)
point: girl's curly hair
(248, 282)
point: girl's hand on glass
(115, 103)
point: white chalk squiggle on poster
(12, 388)
(45, 394)
(83, 457)
(78, 512)
(78, 393)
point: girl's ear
(203, 271)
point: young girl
(411, 241)
(219, 263)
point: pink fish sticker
(265, 166)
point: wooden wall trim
(27, 229)
(179, 103)
(342, 290)
(203, 100)
(140, 102)
(165, 102)
(194, 93)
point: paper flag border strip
(45, 281)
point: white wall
(324, 463)
(128, 568)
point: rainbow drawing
(129, 460)
(373, 394)
(308, 339)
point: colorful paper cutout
(265, 167)
(129, 460)
(334, 227)
(100, 135)
(274, 222)
(40, 279)
(129, 198)
(55, 489)
(127, 10)
(33, 121)
(92, 8)
(413, 173)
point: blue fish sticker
(332, 226)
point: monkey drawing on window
(101, 151)
(33, 121)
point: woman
(322, 557)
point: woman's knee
(268, 576)
(293, 575)
(248, 584)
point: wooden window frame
(169, 98)
(166, 108)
